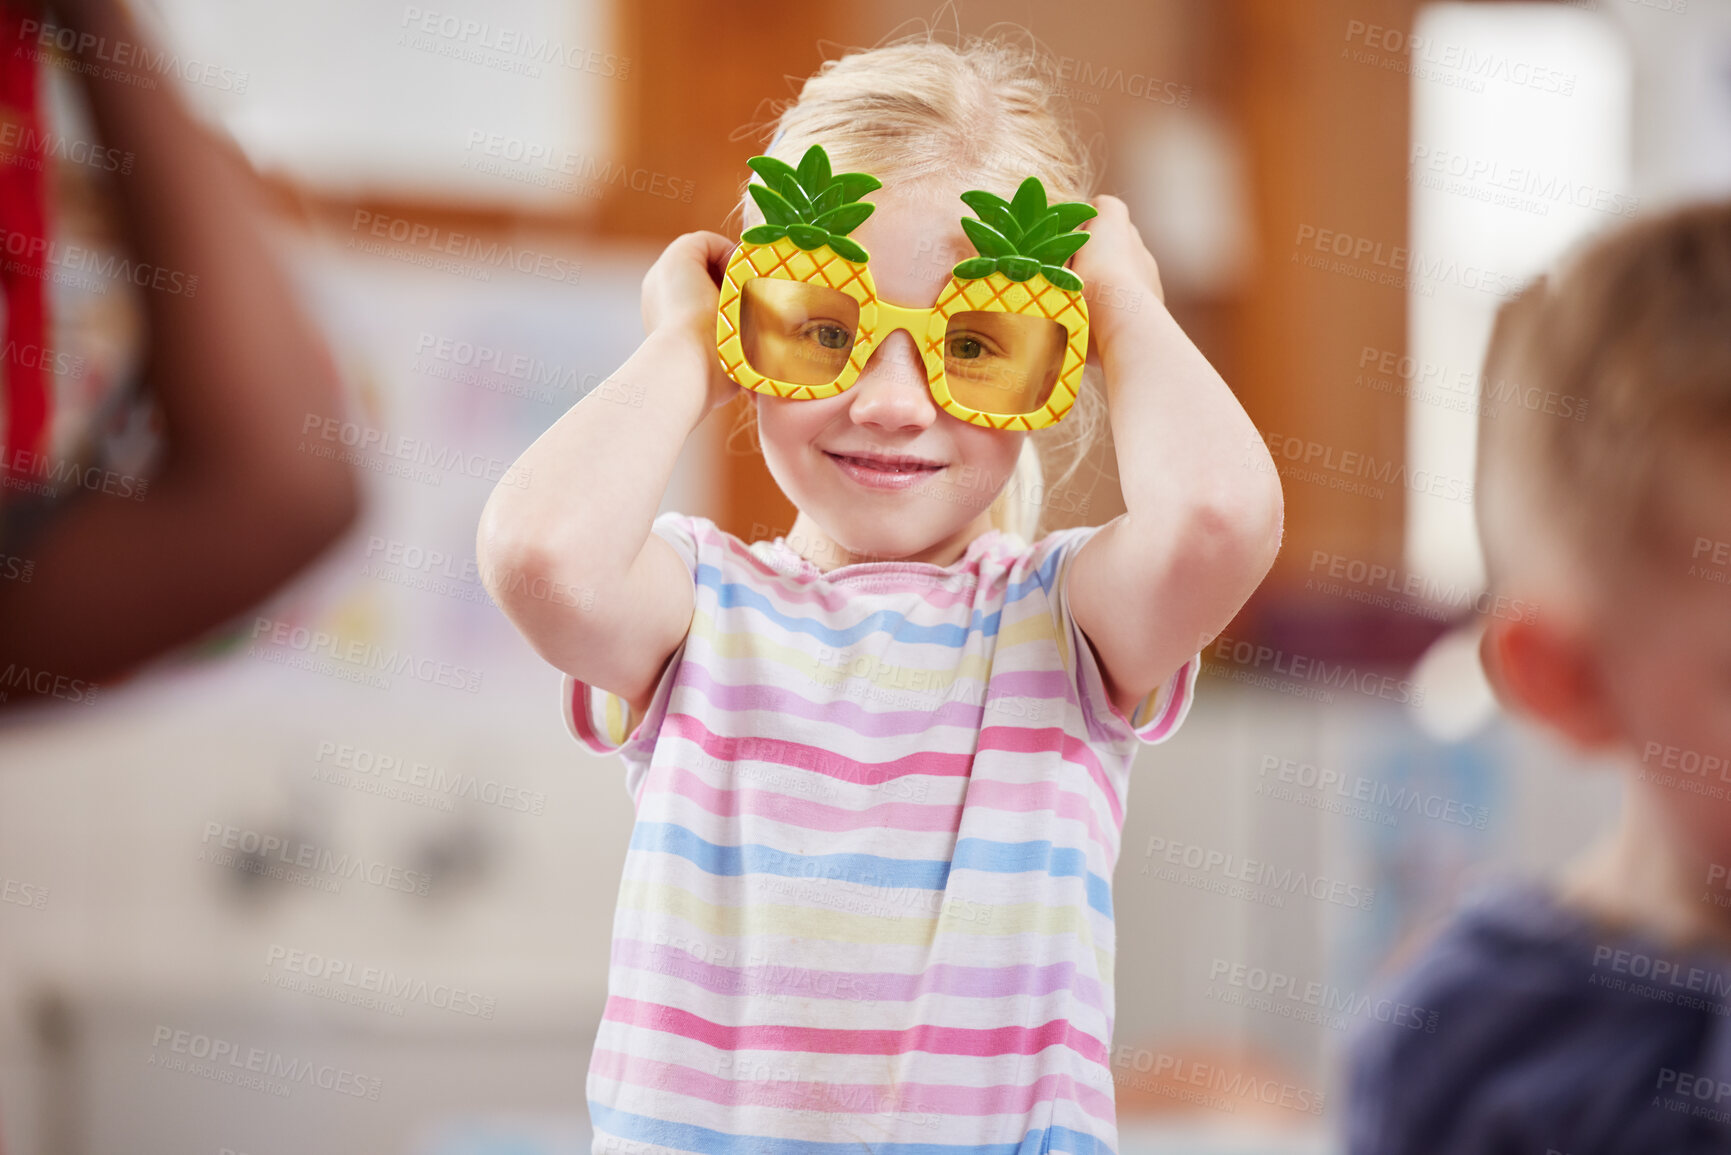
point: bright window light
(1520, 147)
(482, 100)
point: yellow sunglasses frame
(785, 260)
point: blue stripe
(690, 1137)
(874, 869)
(753, 858)
(731, 594)
(1040, 854)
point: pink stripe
(935, 1040)
(1017, 739)
(1027, 797)
(817, 759)
(1169, 716)
(1054, 739)
(1040, 686)
(770, 979)
(577, 712)
(857, 1098)
(730, 802)
(952, 709)
(1014, 797)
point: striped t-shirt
(867, 903)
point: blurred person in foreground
(143, 245)
(1591, 1013)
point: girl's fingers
(1109, 210)
(720, 249)
(671, 288)
(712, 249)
(1119, 246)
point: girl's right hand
(681, 293)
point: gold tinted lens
(796, 332)
(1003, 363)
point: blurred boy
(1589, 1013)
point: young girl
(880, 763)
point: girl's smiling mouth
(879, 471)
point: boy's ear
(1549, 675)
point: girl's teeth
(885, 468)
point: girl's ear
(1549, 673)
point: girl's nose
(891, 390)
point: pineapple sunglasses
(799, 315)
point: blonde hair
(1595, 378)
(919, 108)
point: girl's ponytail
(1016, 510)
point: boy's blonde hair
(1597, 382)
(918, 108)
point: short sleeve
(1158, 715)
(601, 719)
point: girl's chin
(874, 547)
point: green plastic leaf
(851, 250)
(1073, 213)
(807, 237)
(1063, 278)
(790, 192)
(1058, 249)
(770, 168)
(979, 199)
(781, 177)
(764, 234)
(845, 219)
(856, 184)
(995, 211)
(814, 170)
(1044, 228)
(776, 211)
(1029, 203)
(988, 240)
(974, 267)
(1018, 268)
(830, 198)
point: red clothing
(24, 173)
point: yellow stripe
(614, 726)
(769, 918)
(885, 675)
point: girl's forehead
(927, 200)
(913, 255)
(915, 234)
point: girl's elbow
(1264, 526)
(1271, 522)
(1242, 525)
(505, 550)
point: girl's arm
(1204, 508)
(575, 531)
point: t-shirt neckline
(803, 568)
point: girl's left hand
(1118, 272)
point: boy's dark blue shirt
(1552, 1035)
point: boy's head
(1604, 498)
(930, 121)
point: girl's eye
(830, 336)
(966, 347)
